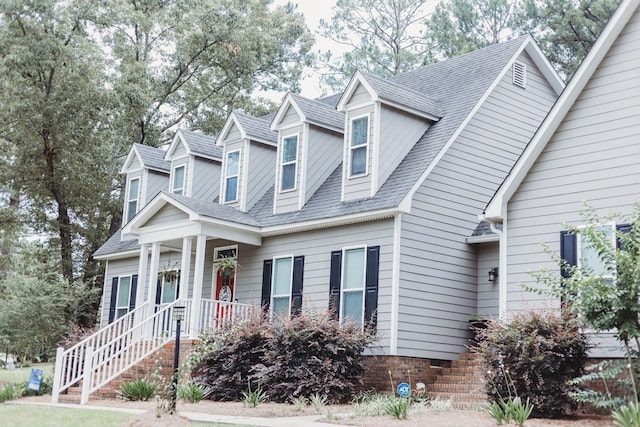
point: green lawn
(20, 375)
(45, 416)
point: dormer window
(289, 163)
(231, 176)
(132, 198)
(178, 180)
(359, 146)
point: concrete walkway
(302, 421)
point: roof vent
(520, 74)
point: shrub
(192, 393)
(313, 355)
(627, 415)
(10, 392)
(534, 357)
(297, 357)
(398, 407)
(138, 390)
(223, 360)
(252, 398)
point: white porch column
(196, 300)
(186, 269)
(153, 274)
(143, 266)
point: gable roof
(496, 208)
(149, 157)
(390, 93)
(317, 112)
(196, 144)
(253, 128)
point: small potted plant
(226, 264)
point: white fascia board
(358, 77)
(163, 232)
(497, 206)
(288, 101)
(177, 138)
(133, 152)
(231, 120)
(483, 239)
(544, 65)
(275, 230)
(149, 211)
(406, 202)
(118, 255)
(412, 111)
(325, 126)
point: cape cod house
(362, 202)
(586, 150)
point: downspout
(395, 285)
(502, 262)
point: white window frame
(366, 145)
(294, 162)
(163, 287)
(227, 177)
(273, 283)
(178, 190)
(361, 290)
(119, 307)
(136, 199)
(579, 249)
(216, 257)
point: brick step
(462, 379)
(460, 387)
(462, 397)
(462, 371)
(69, 398)
(465, 363)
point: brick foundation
(377, 370)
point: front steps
(463, 383)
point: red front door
(225, 280)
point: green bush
(534, 357)
(192, 393)
(138, 390)
(297, 357)
(627, 415)
(10, 392)
(398, 407)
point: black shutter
(335, 276)
(568, 250)
(371, 287)
(296, 286)
(134, 291)
(267, 268)
(112, 302)
(178, 285)
(622, 228)
(159, 289)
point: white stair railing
(216, 314)
(115, 348)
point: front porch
(114, 349)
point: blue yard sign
(35, 380)
(404, 389)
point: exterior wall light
(493, 274)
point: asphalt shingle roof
(484, 229)
(257, 127)
(320, 112)
(152, 158)
(200, 144)
(454, 87)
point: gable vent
(520, 74)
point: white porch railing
(112, 350)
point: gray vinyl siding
(593, 157)
(438, 270)
(156, 182)
(114, 268)
(291, 117)
(180, 150)
(289, 200)
(233, 134)
(360, 96)
(316, 246)
(359, 187)
(135, 163)
(168, 213)
(488, 258)
(398, 133)
(206, 179)
(324, 154)
(262, 165)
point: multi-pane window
(289, 162)
(178, 180)
(231, 176)
(132, 198)
(352, 287)
(588, 258)
(281, 289)
(122, 300)
(358, 146)
(169, 288)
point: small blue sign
(35, 380)
(404, 389)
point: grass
(21, 375)
(47, 416)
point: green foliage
(192, 393)
(383, 34)
(10, 392)
(297, 357)
(398, 407)
(252, 398)
(299, 403)
(533, 357)
(318, 401)
(45, 387)
(627, 415)
(138, 390)
(611, 389)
